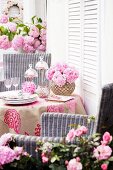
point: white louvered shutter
(83, 48)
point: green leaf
(32, 19)
(39, 26)
(39, 20)
(110, 159)
(96, 139)
(55, 158)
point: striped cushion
(15, 65)
(59, 124)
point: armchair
(105, 116)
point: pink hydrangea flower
(74, 165)
(4, 42)
(7, 155)
(106, 138)
(59, 79)
(71, 74)
(102, 152)
(60, 67)
(50, 73)
(28, 87)
(4, 19)
(5, 139)
(42, 32)
(61, 74)
(17, 42)
(12, 26)
(36, 44)
(28, 40)
(42, 48)
(34, 31)
(71, 135)
(28, 48)
(104, 166)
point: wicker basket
(65, 90)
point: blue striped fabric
(30, 142)
(59, 124)
(15, 65)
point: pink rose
(78, 132)
(4, 19)
(71, 135)
(74, 165)
(83, 129)
(102, 152)
(104, 166)
(106, 138)
(12, 26)
(44, 158)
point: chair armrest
(59, 124)
(30, 142)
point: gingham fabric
(30, 142)
(15, 65)
(105, 116)
(59, 124)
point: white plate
(20, 101)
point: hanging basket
(65, 90)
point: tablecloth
(25, 119)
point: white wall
(34, 7)
(40, 7)
(107, 41)
(56, 29)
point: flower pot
(65, 90)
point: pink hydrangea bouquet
(19, 36)
(29, 87)
(61, 74)
(79, 152)
(13, 157)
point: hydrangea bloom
(7, 155)
(34, 31)
(4, 139)
(12, 26)
(22, 37)
(4, 42)
(18, 42)
(61, 74)
(4, 19)
(29, 87)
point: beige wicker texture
(65, 90)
